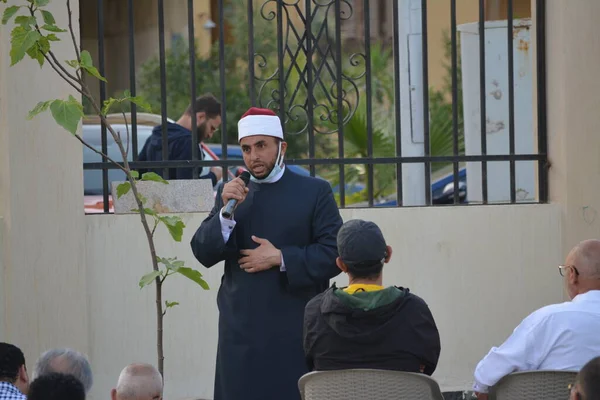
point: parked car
(92, 179)
(442, 189)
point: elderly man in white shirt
(557, 337)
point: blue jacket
(180, 148)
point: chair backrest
(547, 385)
(368, 384)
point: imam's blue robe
(260, 352)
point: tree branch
(67, 73)
(100, 153)
(85, 91)
(126, 128)
(155, 225)
(71, 30)
(58, 71)
(58, 64)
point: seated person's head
(587, 384)
(56, 386)
(138, 382)
(582, 268)
(12, 367)
(362, 251)
(65, 361)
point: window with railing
(423, 103)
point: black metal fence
(334, 91)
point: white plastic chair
(368, 384)
(545, 384)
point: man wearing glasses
(557, 337)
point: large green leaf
(123, 189)
(141, 102)
(39, 108)
(41, 48)
(172, 263)
(22, 39)
(154, 177)
(36, 54)
(175, 226)
(193, 275)
(8, 13)
(88, 65)
(48, 17)
(40, 3)
(25, 20)
(67, 113)
(52, 28)
(149, 278)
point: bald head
(586, 258)
(582, 268)
(138, 382)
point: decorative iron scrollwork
(306, 60)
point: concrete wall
(573, 118)
(41, 200)
(481, 270)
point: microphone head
(245, 176)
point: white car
(92, 134)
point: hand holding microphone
(234, 193)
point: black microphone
(231, 204)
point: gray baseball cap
(361, 243)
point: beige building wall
(573, 118)
(43, 299)
(480, 269)
(438, 24)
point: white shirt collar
(593, 295)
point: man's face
(260, 154)
(570, 278)
(206, 127)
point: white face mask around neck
(277, 168)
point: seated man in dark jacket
(366, 325)
(179, 138)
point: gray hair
(66, 361)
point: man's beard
(201, 132)
(268, 169)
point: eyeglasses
(563, 268)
